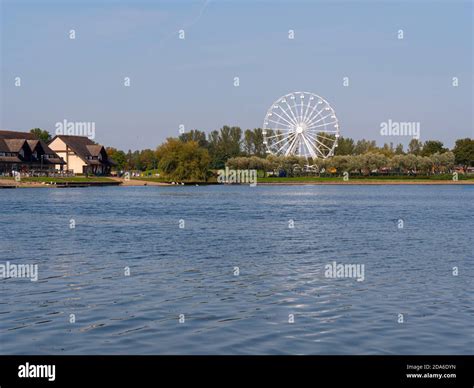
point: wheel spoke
(312, 122)
(291, 124)
(277, 122)
(298, 126)
(285, 138)
(279, 134)
(308, 146)
(291, 111)
(321, 125)
(315, 139)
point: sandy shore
(12, 183)
(135, 182)
(123, 182)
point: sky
(190, 81)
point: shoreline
(118, 182)
(366, 183)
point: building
(82, 155)
(23, 152)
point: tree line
(193, 154)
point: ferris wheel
(301, 124)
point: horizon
(190, 81)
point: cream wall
(73, 162)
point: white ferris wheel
(301, 124)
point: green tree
(399, 149)
(248, 142)
(387, 150)
(224, 144)
(41, 134)
(195, 135)
(363, 146)
(148, 160)
(431, 147)
(446, 160)
(259, 148)
(409, 162)
(414, 147)
(396, 163)
(464, 152)
(345, 146)
(424, 164)
(118, 157)
(183, 160)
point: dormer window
(22, 153)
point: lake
(238, 270)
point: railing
(34, 173)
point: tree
(446, 161)
(399, 149)
(424, 164)
(431, 147)
(464, 152)
(374, 161)
(41, 134)
(195, 135)
(396, 163)
(363, 146)
(183, 160)
(148, 160)
(217, 160)
(259, 148)
(387, 150)
(345, 146)
(118, 157)
(409, 162)
(248, 142)
(414, 147)
(224, 144)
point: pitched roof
(15, 145)
(12, 141)
(3, 146)
(95, 149)
(77, 143)
(34, 143)
(16, 135)
(83, 147)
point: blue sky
(190, 81)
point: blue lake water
(191, 270)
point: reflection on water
(191, 270)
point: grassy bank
(308, 179)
